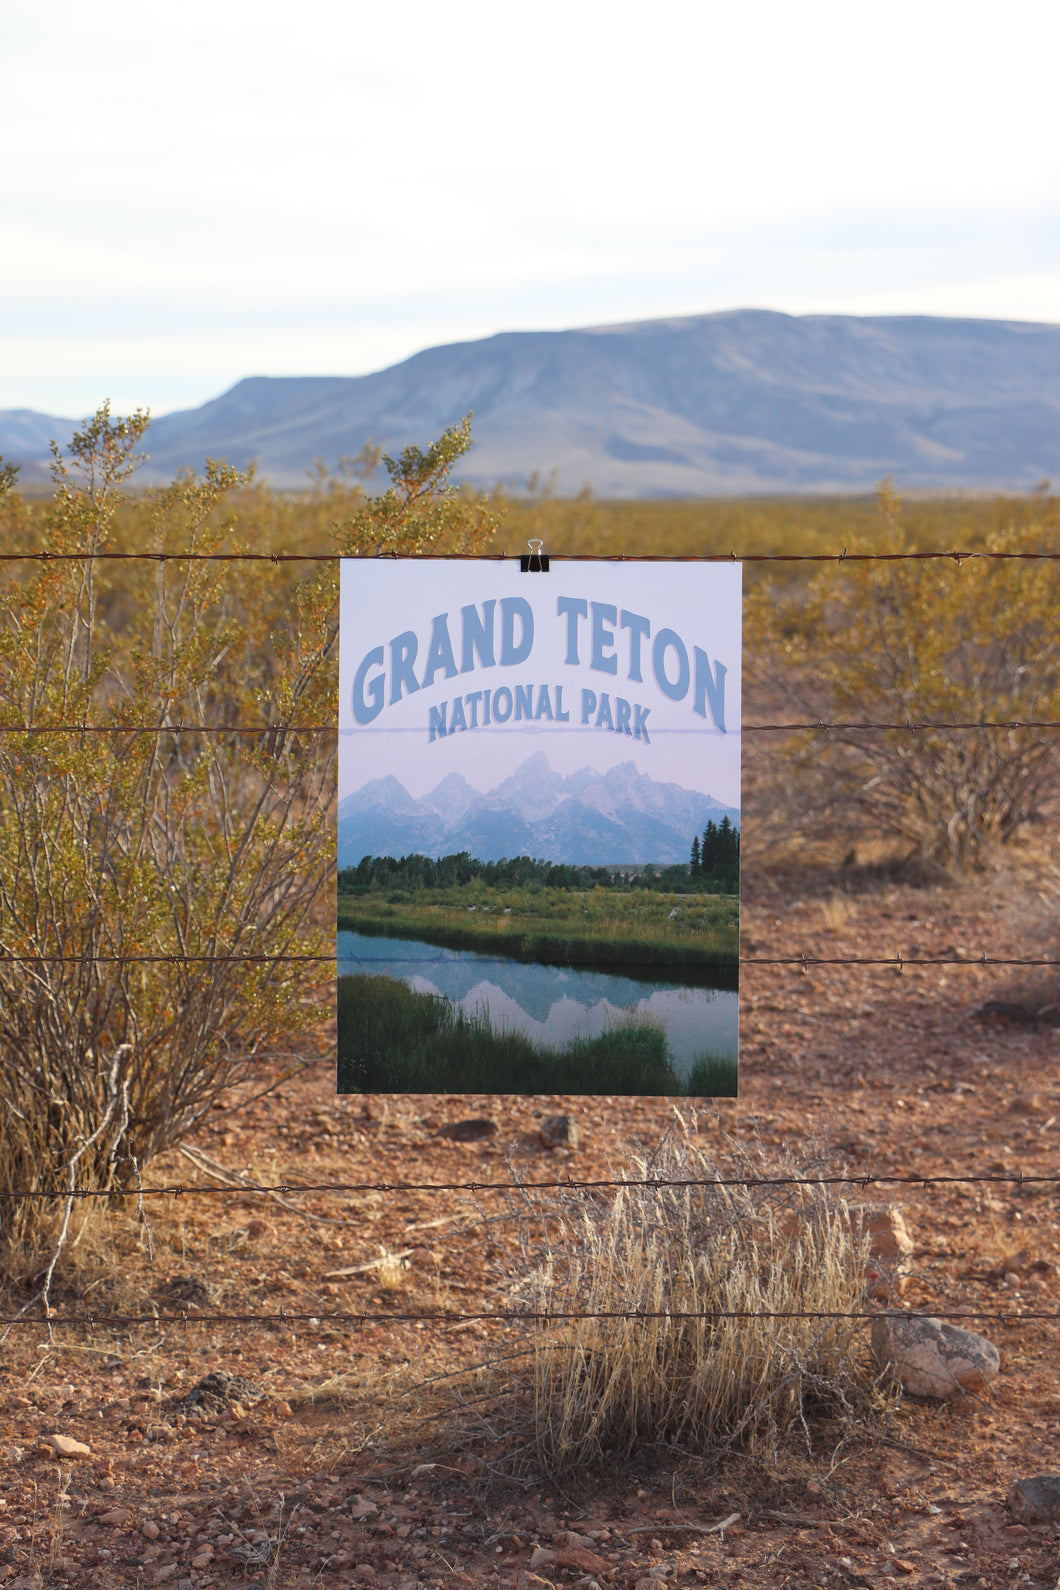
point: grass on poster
(392, 1039)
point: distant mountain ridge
(740, 402)
(586, 819)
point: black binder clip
(535, 561)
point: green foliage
(712, 1077)
(424, 872)
(719, 857)
(394, 1040)
(415, 872)
(695, 937)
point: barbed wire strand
(817, 726)
(287, 1319)
(862, 1179)
(898, 961)
(954, 555)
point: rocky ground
(328, 1451)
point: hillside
(741, 402)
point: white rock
(65, 1446)
(932, 1358)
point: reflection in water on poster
(550, 1004)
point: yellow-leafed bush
(140, 865)
(903, 661)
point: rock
(890, 1261)
(1010, 1011)
(66, 1447)
(361, 1507)
(218, 1389)
(1036, 1500)
(541, 1558)
(149, 1529)
(578, 1557)
(932, 1358)
(570, 1537)
(116, 1515)
(471, 1131)
(559, 1131)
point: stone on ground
(932, 1358)
(1035, 1500)
(559, 1131)
(65, 1446)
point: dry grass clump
(732, 1295)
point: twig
(688, 1529)
(371, 1264)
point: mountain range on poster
(738, 402)
(586, 819)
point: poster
(538, 827)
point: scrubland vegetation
(701, 1315)
(139, 869)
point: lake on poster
(551, 1004)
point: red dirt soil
(339, 1466)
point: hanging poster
(538, 827)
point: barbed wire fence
(445, 1318)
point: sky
(680, 608)
(192, 194)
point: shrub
(737, 1259)
(916, 643)
(163, 891)
(422, 512)
(134, 865)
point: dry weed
(701, 1315)
(837, 911)
(391, 1269)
